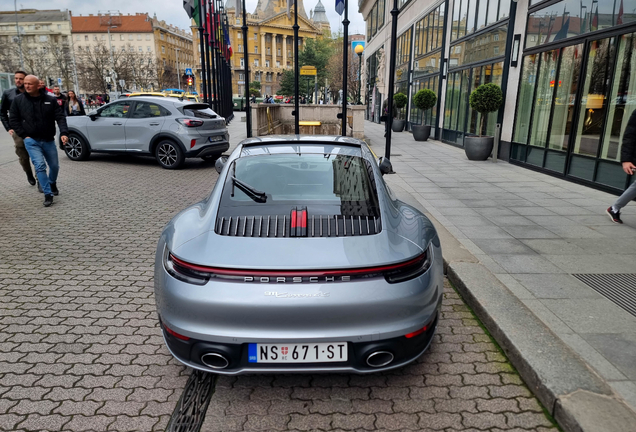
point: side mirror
(385, 166)
(220, 164)
(93, 116)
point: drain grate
(190, 411)
(619, 288)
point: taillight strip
(291, 273)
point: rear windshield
(199, 111)
(308, 179)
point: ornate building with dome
(270, 41)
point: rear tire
(76, 148)
(169, 154)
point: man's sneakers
(48, 200)
(30, 178)
(54, 189)
(615, 216)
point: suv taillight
(190, 122)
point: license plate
(215, 138)
(298, 353)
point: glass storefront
(403, 68)
(373, 96)
(575, 97)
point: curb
(576, 397)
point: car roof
(301, 139)
(156, 94)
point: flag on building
(340, 6)
(563, 32)
(594, 25)
(619, 18)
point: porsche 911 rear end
(299, 261)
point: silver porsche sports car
(300, 260)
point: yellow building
(270, 41)
(174, 49)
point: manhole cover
(619, 288)
(189, 414)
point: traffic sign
(59, 81)
(188, 71)
(122, 83)
(308, 70)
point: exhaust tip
(379, 358)
(214, 360)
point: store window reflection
(593, 105)
(622, 100)
(566, 87)
(526, 95)
(543, 99)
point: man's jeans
(43, 153)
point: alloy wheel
(167, 154)
(74, 147)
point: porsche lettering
(296, 279)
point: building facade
(270, 41)
(44, 39)
(174, 49)
(567, 69)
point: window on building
(277, 64)
(132, 49)
(86, 38)
(255, 36)
(256, 62)
(238, 21)
(122, 37)
(279, 52)
(161, 36)
(59, 26)
(163, 49)
(141, 49)
(241, 76)
(239, 35)
(149, 48)
(94, 37)
(147, 37)
(269, 51)
(255, 50)
(138, 37)
(240, 48)
(242, 62)
(78, 38)
(266, 63)
(131, 37)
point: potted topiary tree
(400, 101)
(484, 99)
(424, 99)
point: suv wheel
(169, 155)
(76, 148)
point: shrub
(425, 99)
(485, 99)
(400, 100)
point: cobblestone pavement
(80, 348)
(463, 383)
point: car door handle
(117, 124)
(154, 124)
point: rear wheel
(76, 148)
(169, 155)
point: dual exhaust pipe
(218, 361)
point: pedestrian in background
(7, 98)
(61, 99)
(32, 116)
(73, 106)
(628, 157)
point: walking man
(61, 99)
(32, 116)
(628, 157)
(7, 98)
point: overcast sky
(172, 10)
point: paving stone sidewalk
(533, 232)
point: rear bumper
(212, 149)
(403, 350)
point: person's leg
(37, 157)
(625, 198)
(23, 155)
(50, 154)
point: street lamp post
(178, 76)
(359, 49)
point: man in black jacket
(628, 157)
(32, 116)
(7, 98)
